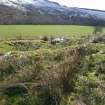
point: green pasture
(11, 31)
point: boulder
(60, 40)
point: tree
(98, 29)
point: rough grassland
(11, 31)
(38, 72)
(41, 71)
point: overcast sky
(92, 4)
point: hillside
(47, 12)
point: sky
(92, 4)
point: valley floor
(31, 31)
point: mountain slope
(47, 12)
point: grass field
(10, 31)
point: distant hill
(47, 12)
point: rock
(102, 52)
(7, 54)
(61, 40)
